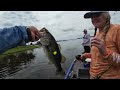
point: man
(86, 42)
(105, 47)
(17, 35)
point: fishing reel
(78, 57)
(85, 63)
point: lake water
(64, 25)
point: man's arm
(17, 35)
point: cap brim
(90, 14)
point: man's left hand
(100, 44)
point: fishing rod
(71, 66)
(70, 39)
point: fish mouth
(44, 39)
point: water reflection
(18, 66)
(10, 64)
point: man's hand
(83, 57)
(35, 34)
(100, 44)
(82, 44)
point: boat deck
(79, 71)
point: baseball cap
(93, 13)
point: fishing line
(70, 39)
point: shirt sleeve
(12, 37)
(86, 38)
(88, 55)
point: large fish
(52, 50)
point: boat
(78, 69)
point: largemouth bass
(52, 50)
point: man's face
(98, 20)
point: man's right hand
(80, 57)
(35, 34)
(83, 57)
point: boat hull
(78, 70)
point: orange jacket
(99, 63)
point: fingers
(100, 44)
(34, 33)
(96, 45)
(33, 36)
(37, 37)
(95, 38)
(96, 42)
(83, 56)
